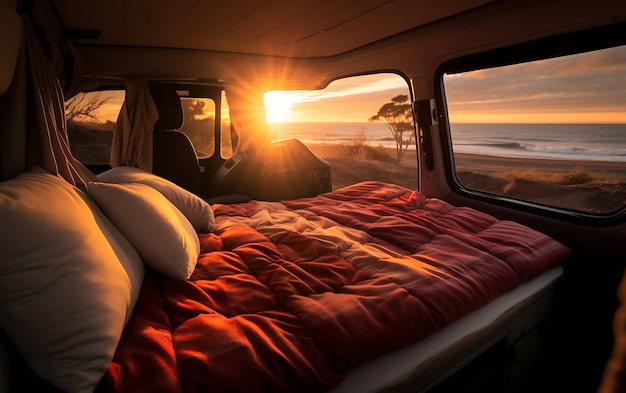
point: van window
(551, 132)
(91, 121)
(199, 124)
(362, 126)
(228, 136)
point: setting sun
(278, 105)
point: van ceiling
(312, 28)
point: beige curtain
(132, 140)
(45, 110)
(32, 113)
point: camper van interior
(313, 196)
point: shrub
(578, 176)
(378, 154)
(359, 147)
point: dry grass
(358, 161)
(89, 144)
(576, 188)
(578, 175)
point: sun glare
(278, 105)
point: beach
(490, 165)
(588, 186)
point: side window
(362, 126)
(91, 121)
(199, 124)
(228, 137)
(200, 117)
(551, 132)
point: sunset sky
(586, 88)
(346, 100)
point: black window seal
(597, 38)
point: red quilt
(289, 296)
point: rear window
(551, 132)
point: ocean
(578, 142)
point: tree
(193, 109)
(398, 117)
(83, 106)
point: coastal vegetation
(589, 189)
(397, 115)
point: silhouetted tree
(199, 125)
(193, 108)
(398, 117)
(82, 105)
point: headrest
(168, 106)
(10, 39)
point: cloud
(591, 83)
(353, 99)
(587, 87)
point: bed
(325, 292)
(135, 284)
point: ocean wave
(544, 151)
(600, 142)
(505, 145)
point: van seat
(174, 157)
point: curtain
(13, 146)
(11, 33)
(33, 129)
(46, 127)
(614, 376)
(132, 140)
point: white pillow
(197, 211)
(68, 280)
(160, 233)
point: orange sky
(346, 100)
(586, 88)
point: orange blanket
(289, 296)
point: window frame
(544, 48)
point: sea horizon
(562, 141)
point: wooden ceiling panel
(315, 28)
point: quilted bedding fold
(288, 296)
